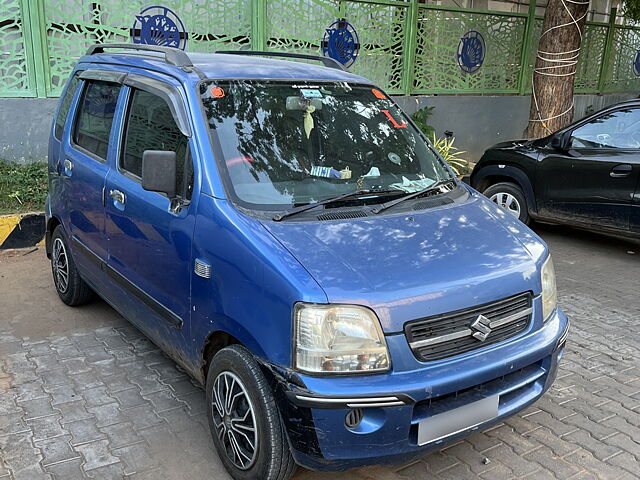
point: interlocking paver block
(96, 454)
(46, 427)
(107, 414)
(38, 407)
(55, 450)
(142, 417)
(121, 435)
(84, 431)
(73, 411)
(69, 470)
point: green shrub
(421, 119)
(23, 188)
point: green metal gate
(406, 47)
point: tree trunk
(553, 78)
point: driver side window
(620, 129)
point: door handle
(118, 196)
(622, 170)
(68, 164)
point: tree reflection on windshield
(286, 143)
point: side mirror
(558, 142)
(159, 172)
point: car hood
(409, 266)
(513, 144)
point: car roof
(228, 66)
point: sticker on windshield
(216, 92)
(393, 121)
(310, 93)
(378, 94)
(326, 172)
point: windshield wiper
(430, 188)
(326, 201)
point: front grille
(450, 334)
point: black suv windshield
(294, 143)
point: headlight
(549, 293)
(338, 339)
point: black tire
(75, 291)
(271, 458)
(511, 191)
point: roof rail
(172, 56)
(327, 61)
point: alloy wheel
(234, 420)
(60, 265)
(508, 202)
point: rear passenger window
(63, 113)
(95, 116)
(151, 126)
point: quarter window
(151, 126)
(620, 129)
(63, 113)
(95, 117)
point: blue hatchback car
(287, 235)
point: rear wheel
(245, 423)
(510, 197)
(71, 289)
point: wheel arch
(52, 223)
(492, 174)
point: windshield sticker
(411, 186)
(393, 121)
(310, 93)
(378, 94)
(325, 172)
(395, 158)
(216, 92)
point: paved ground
(84, 395)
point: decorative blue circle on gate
(341, 42)
(636, 64)
(471, 51)
(159, 26)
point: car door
(592, 179)
(84, 166)
(150, 235)
(635, 210)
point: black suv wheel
(510, 197)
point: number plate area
(457, 420)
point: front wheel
(510, 197)
(245, 423)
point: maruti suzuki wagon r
(287, 235)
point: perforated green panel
(591, 57)
(14, 66)
(405, 46)
(438, 36)
(380, 28)
(73, 25)
(621, 77)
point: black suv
(586, 175)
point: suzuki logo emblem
(481, 324)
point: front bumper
(519, 370)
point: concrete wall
(24, 131)
(477, 122)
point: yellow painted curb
(7, 224)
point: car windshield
(286, 143)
